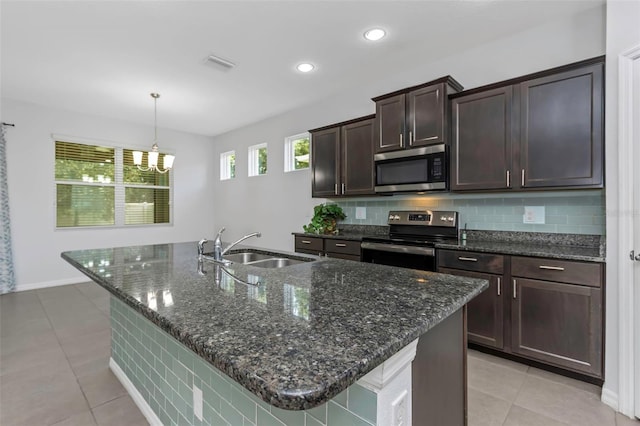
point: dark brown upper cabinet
(481, 148)
(342, 159)
(541, 131)
(413, 117)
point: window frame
(289, 154)
(225, 165)
(253, 154)
(118, 184)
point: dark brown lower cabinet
(544, 310)
(484, 313)
(558, 323)
(342, 249)
(330, 247)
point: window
(100, 186)
(258, 160)
(227, 165)
(296, 152)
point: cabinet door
(561, 125)
(390, 124)
(325, 162)
(485, 323)
(481, 149)
(559, 324)
(426, 116)
(357, 159)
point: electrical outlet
(361, 213)
(399, 410)
(197, 402)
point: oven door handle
(394, 248)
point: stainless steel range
(411, 240)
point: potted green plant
(324, 220)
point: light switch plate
(361, 212)
(534, 214)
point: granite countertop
(302, 335)
(587, 254)
(350, 236)
(588, 248)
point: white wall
(30, 160)
(280, 203)
(623, 33)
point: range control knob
(443, 218)
(390, 217)
(396, 217)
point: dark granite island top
(298, 338)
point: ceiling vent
(221, 62)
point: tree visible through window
(227, 165)
(258, 159)
(100, 186)
(296, 152)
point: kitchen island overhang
(301, 336)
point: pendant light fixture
(152, 156)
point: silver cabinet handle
(340, 245)
(343, 188)
(410, 138)
(499, 285)
(305, 241)
(522, 178)
(552, 268)
(401, 141)
(515, 289)
(508, 179)
(468, 259)
(336, 189)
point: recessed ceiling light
(305, 67)
(374, 34)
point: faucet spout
(232, 245)
(217, 245)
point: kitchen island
(323, 341)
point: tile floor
(54, 353)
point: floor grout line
(67, 358)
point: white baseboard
(55, 283)
(146, 410)
(610, 398)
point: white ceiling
(105, 57)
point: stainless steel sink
(246, 257)
(264, 260)
(276, 262)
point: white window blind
(100, 186)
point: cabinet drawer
(342, 246)
(309, 243)
(353, 257)
(471, 261)
(564, 271)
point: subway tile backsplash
(572, 212)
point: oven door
(404, 256)
(414, 170)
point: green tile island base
(167, 380)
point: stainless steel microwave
(412, 170)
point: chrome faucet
(217, 245)
(218, 252)
(201, 244)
